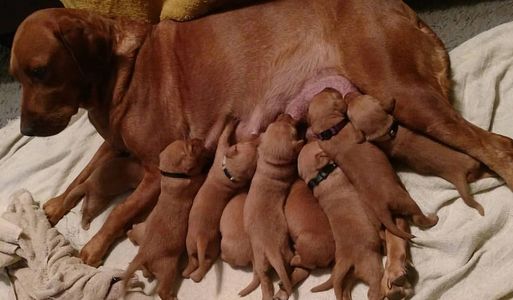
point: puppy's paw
(54, 209)
(94, 251)
(281, 295)
(396, 283)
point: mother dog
(146, 86)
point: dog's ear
(88, 42)
(359, 136)
(388, 105)
(321, 159)
(339, 104)
(232, 151)
(255, 139)
(298, 146)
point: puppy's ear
(388, 105)
(351, 96)
(232, 151)
(255, 139)
(339, 104)
(299, 145)
(321, 159)
(359, 136)
(88, 42)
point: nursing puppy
(235, 244)
(310, 231)
(232, 169)
(364, 164)
(355, 228)
(115, 177)
(264, 219)
(165, 229)
(420, 153)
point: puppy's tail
(386, 218)
(328, 284)
(255, 282)
(461, 185)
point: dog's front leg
(57, 207)
(122, 216)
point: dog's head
(241, 159)
(310, 160)
(369, 116)
(59, 56)
(326, 110)
(184, 156)
(280, 140)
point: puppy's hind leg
(297, 276)
(205, 262)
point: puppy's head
(310, 160)
(187, 157)
(326, 110)
(280, 140)
(369, 116)
(59, 56)
(241, 158)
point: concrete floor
(455, 21)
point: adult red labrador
(146, 86)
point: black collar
(390, 134)
(174, 175)
(331, 132)
(226, 172)
(322, 175)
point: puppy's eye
(38, 72)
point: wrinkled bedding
(465, 256)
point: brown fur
(355, 229)
(420, 153)
(116, 176)
(235, 244)
(310, 231)
(395, 282)
(264, 219)
(203, 235)
(380, 188)
(165, 229)
(145, 86)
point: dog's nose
(27, 130)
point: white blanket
(465, 256)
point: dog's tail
(278, 263)
(255, 282)
(328, 284)
(386, 218)
(461, 185)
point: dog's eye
(38, 72)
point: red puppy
(233, 168)
(165, 229)
(264, 219)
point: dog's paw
(281, 295)
(54, 209)
(94, 251)
(396, 283)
